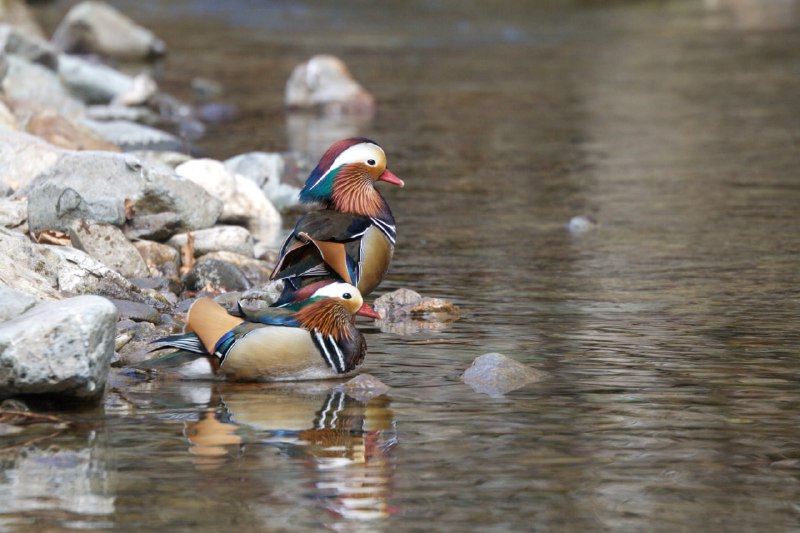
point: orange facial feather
(353, 192)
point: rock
(257, 272)
(260, 297)
(216, 275)
(63, 132)
(159, 226)
(243, 201)
(161, 259)
(92, 82)
(108, 244)
(130, 136)
(95, 27)
(109, 188)
(26, 81)
(265, 170)
(61, 348)
(17, 14)
(35, 49)
(205, 88)
(141, 114)
(324, 83)
(136, 311)
(234, 239)
(162, 160)
(24, 267)
(78, 273)
(13, 213)
(13, 303)
(405, 304)
(7, 119)
(363, 387)
(143, 89)
(23, 157)
(581, 224)
(495, 374)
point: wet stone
(495, 374)
(363, 387)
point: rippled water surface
(669, 333)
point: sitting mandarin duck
(311, 337)
(352, 237)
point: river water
(669, 333)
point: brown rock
(60, 131)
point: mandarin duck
(311, 337)
(352, 237)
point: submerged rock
(61, 348)
(495, 374)
(95, 27)
(581, 224)
(363, 387)
(324, 83)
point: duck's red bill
(389, 177)
(368, 312)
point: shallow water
(669, 333)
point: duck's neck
(353, 192)
(328, 318)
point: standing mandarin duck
(311, 337)
(352, 237)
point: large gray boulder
(108, 187)
(62, 348)
(96, 27)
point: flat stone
(130, 136)
(108, 244)
(109, 188)
(136, 311)
(324, 83)
(96, 27)
(61, 348)
(495, 374)
(92, 82)
(13, 303)
(234, 239)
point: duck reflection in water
(344, 445)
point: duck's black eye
(347, 296)
(371, 162)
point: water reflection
(344, 446)
(312, 133)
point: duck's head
(331, 308)
(343, 294)
(345, 177)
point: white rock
(92, 82)
(95, 27)
(23, 157)
(13, 213)
(108, 244)
(243, 201)
(325, 83)
(59, 348)
(31, 82)
(266, 170)
(13, 303)
(79, 273)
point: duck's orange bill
(368, 312)
(389, 177)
